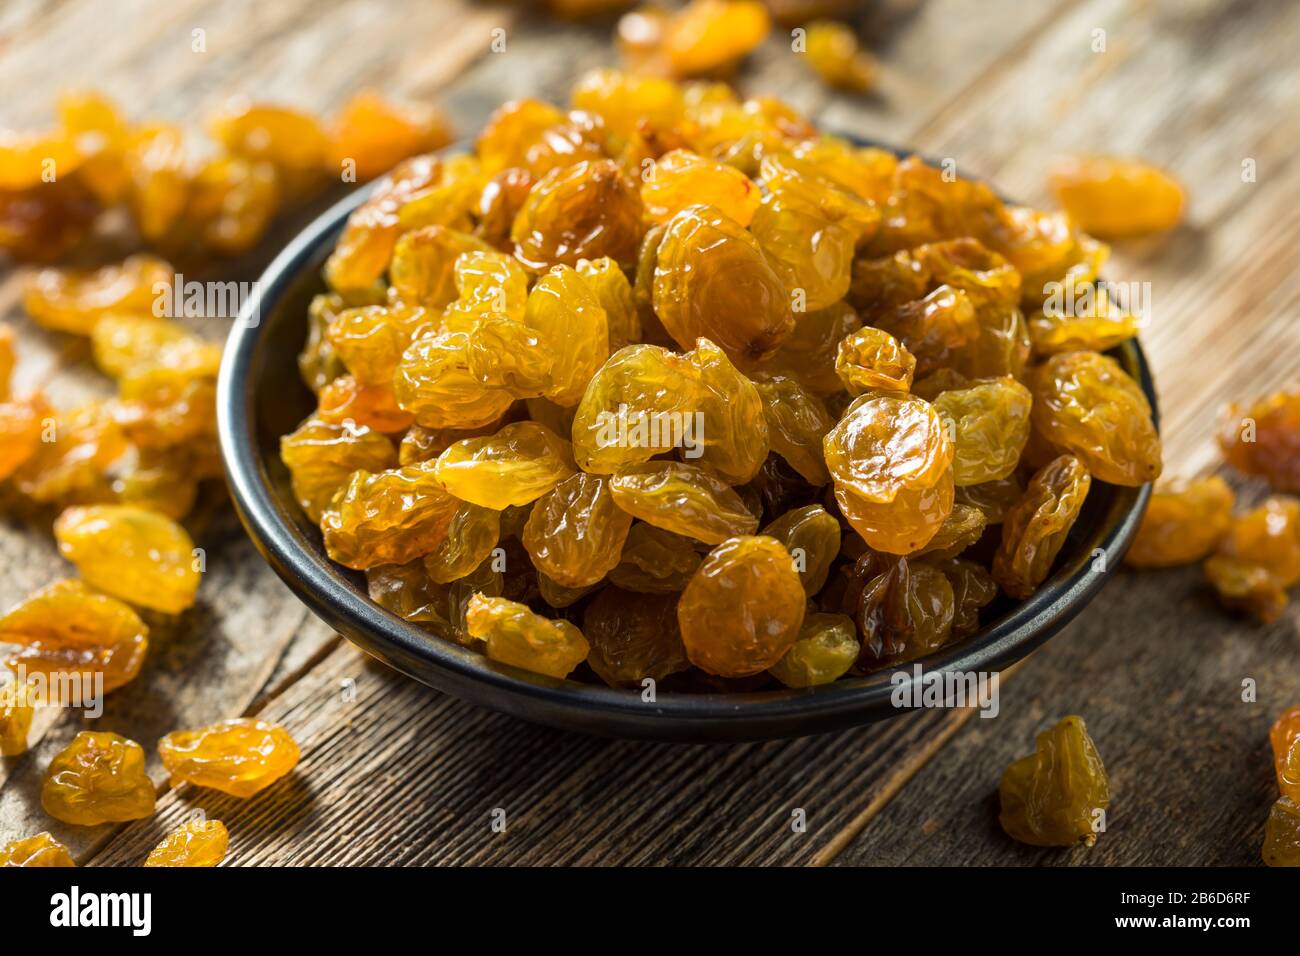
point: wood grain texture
(1154, 666)
(396, 773)
(276, 54)
(1190, 769)
(247, 635)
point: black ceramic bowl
(261, 397)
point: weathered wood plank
(248, 634)
(1190, 768)
(395, 773)
(1155, 667)
(1225, 285)
(636, 803)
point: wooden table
(394, 773)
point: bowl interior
(262, 397)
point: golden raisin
(1282, 834)
(198, 843)
(1114, 198)
(1264, 439)
(1183, 523)
(1084, 403)
(132, 553)
(1035, 527)
(1058, 795)
(515, 635)
(98, 778)
(1285, 739)
(742, 610)
(39, 850)
(241, 756)
(67, 629)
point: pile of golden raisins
(100, 778)
(121, 473)
(55, 185)
(1250, 559)
(670, 385)
(710, 38)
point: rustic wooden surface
(394, 773)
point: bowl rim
(591, 708)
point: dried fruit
(808, 227)
(739, 322)
(434, 382)
(376, 135)
(936, 330)
(1282, 834)
(472, 535)
(684, 499)
(322, 457)
(1084, 403)
(515, 635)
(585, 211)
(1115, 198)
(797, 423)
(231, 203)
(973, 589)
(127, 346)
(517, 465)
(1058, 795)
(1244, 585)
(1184, 522)
(388, 517)
(708, 35)
(572, 326)
(993, 498)
(1284, 736)
(1093, 321)
(21, 425)
(487, 284)
(423, 267)
(132, 553)
(870, 359)
(1264, 439)
(366, 245)
(824, 651)
(16, 714)
(158, 178)
(614, 293)
(833, 51)
(1268, 536)
(891, 460)
(1036, 525)
(66, 629)
(39, 850)
(370, 340)
(680, 178)
(963, 527)
(990, 425)
(241, 756)
(904, 609)
(198, 843)
(711, 280)
(98, 778)
(655, 561)
(743, 608)
(575, 533)
(73, 300)
(633, 637)
(812, 537)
